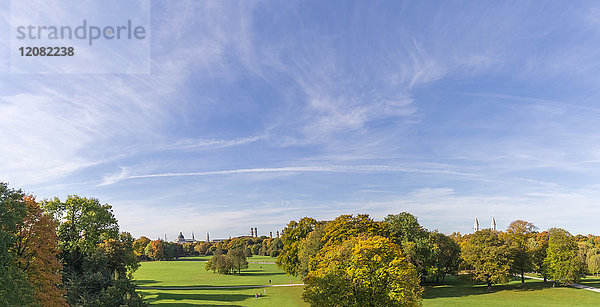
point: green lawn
(190, 272)
(591, 281)
(535, 293)
(276, 297)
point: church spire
(493, 225)
(476, 226)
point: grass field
(591, 281)
(190, 272)
(536, 293)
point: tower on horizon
(476, 226)
(493, 225)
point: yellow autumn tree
(363, 271)
(139, 246)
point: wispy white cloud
(480, 111)
(125, 174)
(184, 144)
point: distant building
(181, 239)
(476, 228)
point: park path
(572, 285)
(217, 287)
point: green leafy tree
(274, 247)
(220, 263)
(247, 252)
(593, 261)
(120, 253)
(189, 249)
(169, 250)
(444, 256)
(404, 227)
(309, 249)
(15, 289)
(584, 249)
(238, 259)
(487, 257)
(85, 224)
(94, 256)
(293, 234)
(562, 261)
(211, 264)
(365, 271)
(538, 245)
(518, 235)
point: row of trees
(354, 260)
(493, 256)
(57, 252)
(146, 249)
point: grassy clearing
(535, 293)
(591, 281)
(190, 272)
(276, 296)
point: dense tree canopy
(363, 271)
(72, 252)
(563, 264)
(94, 256)
(15, 289)
(293, 234)
(487, 257)
(518, 237)
(37, 250)
(444, 256)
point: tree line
(160, 250)
(59, 253)
(71, 252)
(357, 261)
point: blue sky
(256, 113)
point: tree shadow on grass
(258, 273)
(195, 287)
(200, 297)
(144, 282)
(457, 287)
